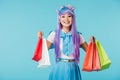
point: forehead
(66, 14)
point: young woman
(66, 41)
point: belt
(66, 60)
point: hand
(40, 34)
(92, 39)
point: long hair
(75, 36)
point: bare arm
(84, 46)
(49, 44)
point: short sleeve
(82, 40)
(51, 36)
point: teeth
(66, 22)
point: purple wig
(75, 36)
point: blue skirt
(65, 71)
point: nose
(66, 18)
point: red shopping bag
(91, 61)
(38, 51)
(87, 65)
(96, 60)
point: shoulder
(52, 32)
(51, 36)
(79, 33)
(82, 40)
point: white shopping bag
(45, 61)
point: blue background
(20, 20)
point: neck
(66, 29)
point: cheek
(70, 19)
(61, 20)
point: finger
(40, 34)
(92, 39)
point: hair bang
(67, 12)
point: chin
(67, 25)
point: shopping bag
(96, 60)
(87, 65)
(45, 60)
(104, 60)
(38, 51)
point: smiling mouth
(66, 22)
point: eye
(69, 16)
(62, 16)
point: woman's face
(66, 20)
